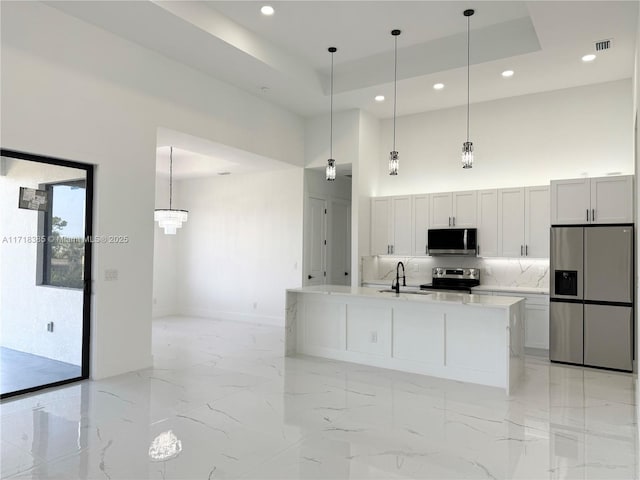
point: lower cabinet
(536, 319)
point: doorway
(46, 209)
(327, 229)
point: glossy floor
(222, 402)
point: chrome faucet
(404, 278)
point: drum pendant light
(467, 147)
(394, 162)
(170, 219)
(331, 163)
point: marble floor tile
(223, 402)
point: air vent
(603, 45)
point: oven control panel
(456, 273)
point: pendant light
(394, 162)
(331, 163)
(169, 219)
(467, 147)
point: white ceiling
(284, 58)
(542, 41)
(195, 157)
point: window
(62, 229)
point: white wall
(74, 91)
(518, 141)
(345, 138)
(25, 307)
(242, 245)
(165, 259)
(365, 184)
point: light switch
(110, 275)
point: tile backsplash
(504, 272)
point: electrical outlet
(50, 327)
(374, 337)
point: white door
(315, 243)
(420, 224)
(402, 222)
(536, 217)
(511, 222)
(339, 245)
(488, 223)
(380, 225)
(570, 201)
(440, 210)
(612, 199)
(464, 211)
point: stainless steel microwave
(453, 241)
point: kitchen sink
(411, 292)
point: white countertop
(511, 289)
(427, 297)
(479, 288)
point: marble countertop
(430, 297)
(480, 288)
(511, 289)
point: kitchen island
(466, 337)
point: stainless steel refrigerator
(591, 308)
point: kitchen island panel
(455, 336)
(369, 330)
(418, 335)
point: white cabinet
(536, 221)
(511, 222)
(380, 220)
(454, 209)
(536, 322)
(598, 200)
(612, 199)
(488, 223)
(420, 224)
(391, 225)
(523, 222)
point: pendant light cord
(331, 114)
(170, 178)
(468, 68)
(395, 89)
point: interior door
(339, 247)
(315, 242)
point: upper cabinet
(488, 223)
(391, 222)
(454, 209)
(598, 200)
(420, 223)
(523, 222)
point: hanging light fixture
(331, 163)
(394, 162)
(467, 147)
(169, 219)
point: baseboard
(234, 316)
(163, 312)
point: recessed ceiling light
(508, 73)
(379, 98)
(267, 10)
(589, 58)
(438, 86)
